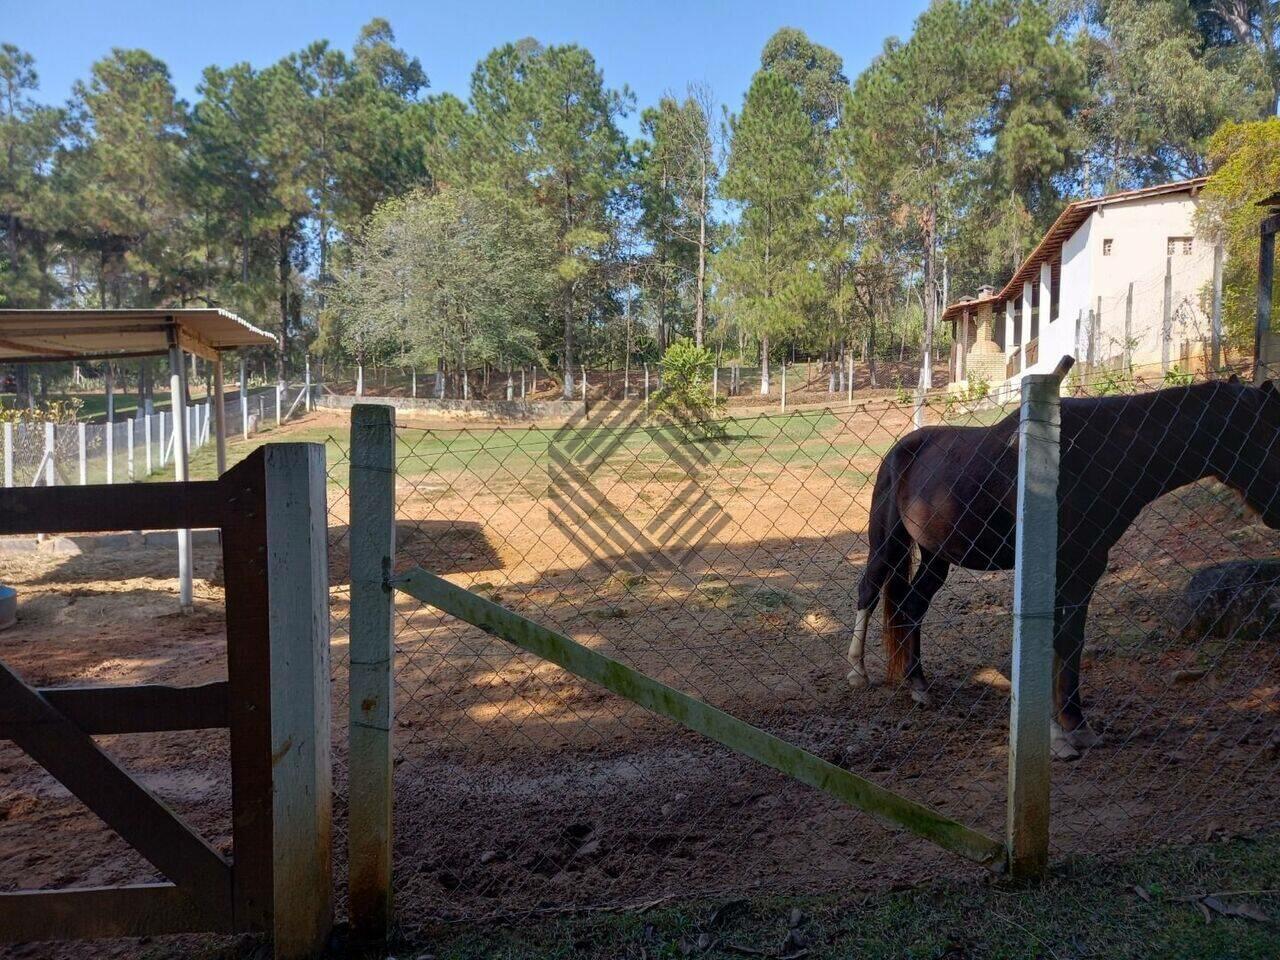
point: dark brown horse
(950, 492)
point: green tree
(1158, 94)
(772, 174)
(29, 205)
(453, 276)
(1245, 158)
(544, 126)
(125, 169)
(675, 177)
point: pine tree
(772, 174)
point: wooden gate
(275, 702)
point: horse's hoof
(858, 679)
(1084, 737)
(1060, 745)
(921, 697)
(1063, 749)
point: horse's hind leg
(906, 602)
(1071, 732)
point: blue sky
(653, 47)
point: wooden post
(1034, 595)
(219, 416)
(298, 628)
(1166, 324)
(81, 428)
(1266, 280)
(177, 395)
(372, 488)
(1215, 322)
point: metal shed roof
(52, 335)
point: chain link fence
(725, 562)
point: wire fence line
(726, 563)
(44, 452)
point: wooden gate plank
(132, 911)
(150, 708)
(144, 822)
(742, 737)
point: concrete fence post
(146, 440)
(81, 429)
(160, 440)
(372, 537)
(1034, 593)
(8, 453)
(110, 428)
(128, 442)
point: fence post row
(1034, 594)
(372, 656)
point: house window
(1106, 247)
(1178, 246)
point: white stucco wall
(1139, 231)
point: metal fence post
(372, 533)
(1034, 586)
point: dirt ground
(520, 788)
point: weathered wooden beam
(372, 658)
(97, 508)
(244, 561)
(143, 709)
(87, 912)
(742, 737)
(298, 637)
(72, 757)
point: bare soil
(521, 788)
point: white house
(1118, 282)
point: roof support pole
(1025, 333)
(178, 403)
(219, 417)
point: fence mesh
(726, 564)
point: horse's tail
(888, 570)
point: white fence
(132, 449)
